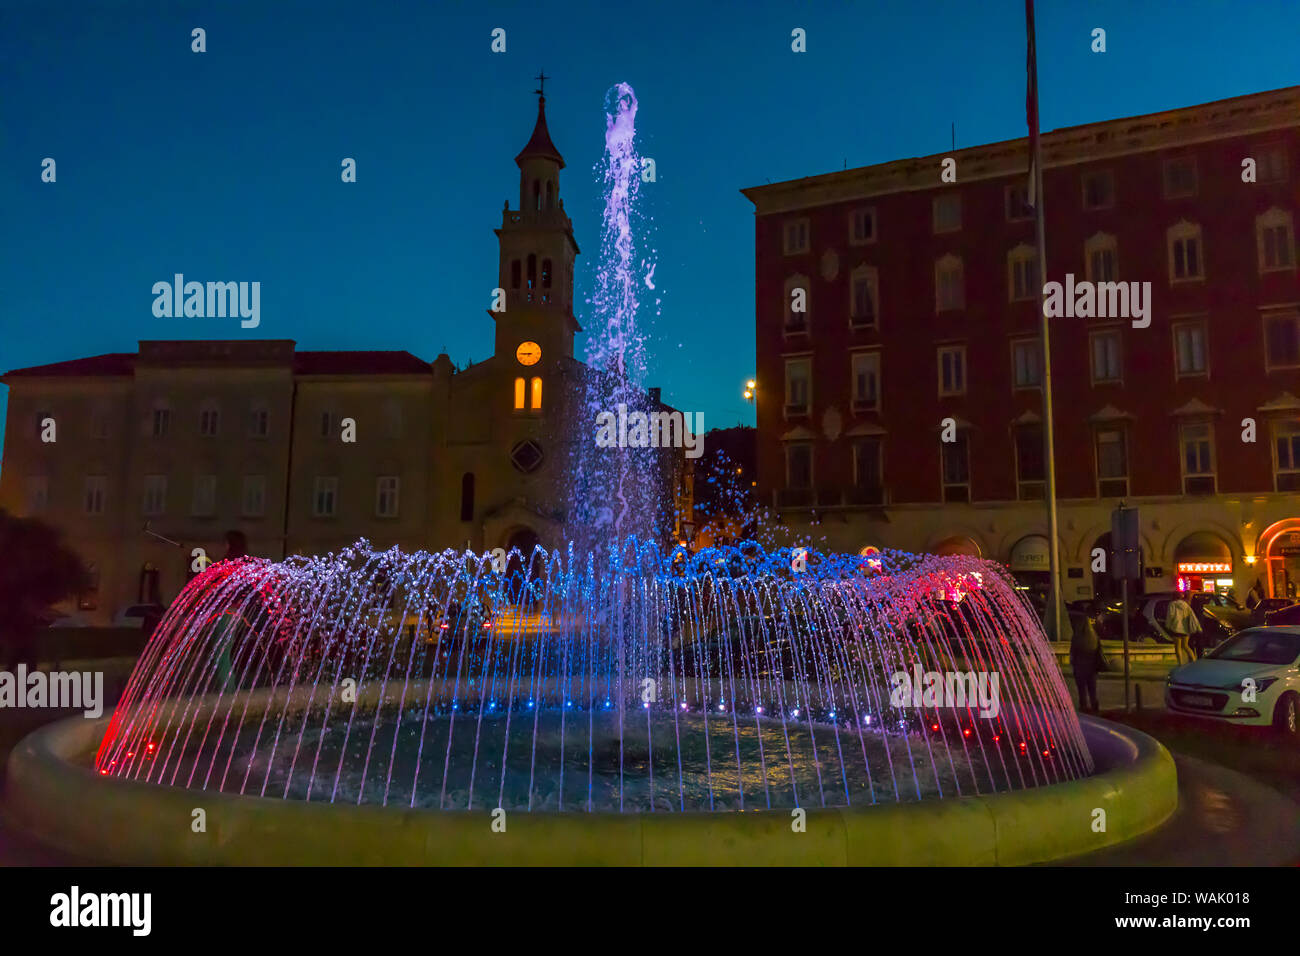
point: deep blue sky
(225, 165)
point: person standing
(1085, 654)
(1255, 595)
(1181, 623)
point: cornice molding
(1187, 126)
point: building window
(868, 472)
(1270, 164)
(327, 423)
(865, 369)
(1112, 463)
(864, 301)
(92, 496)
(798, 465)
(1189, 349)
(1286, 462)
(532, 273)
(393, 418)
(155, 494)
(796, 305)
(1101, 258)
(324, 501)
(949, 286)
(520, 393)
(1281, 341)
(1180, 177)
(1022, 274)
(1107, 367)
(862, 226)
(1030, 474)
(952, 370)
(1018, 207)
(795, 235)
(1098, 190)
(1275, 241)
(1197, 441)
(386, 491)
(1185, 257)
(38, 494)
(1027, 363)
(516, 273)
(162, 418)
(526, 456)
(798, 386)
(203, 501)
(209, 422)
(252, 499)
(259, 422)
(946, 213)
(535, 394)
(955, 463)
(546, 273)
(467, 496)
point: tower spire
(540, 145)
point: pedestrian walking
(1181, 623)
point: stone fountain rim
(54, 793)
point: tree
(38, 570)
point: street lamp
(750, 387)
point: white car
(1216, 685)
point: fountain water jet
(613, 676)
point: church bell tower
(537, 254)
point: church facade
(159, 452)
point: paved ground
(1225, 818)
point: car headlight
(1264, 683)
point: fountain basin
(54, 793)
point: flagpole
(1049, 442)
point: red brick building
(892, 303)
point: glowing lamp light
(757, 709)
(1252, 558)
(683, 706)
(796, 712)
(934, 727)
(966, 732)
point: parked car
(1223, 609)
(1216, 623)
(1286, 616)
(1213, 686)
(134, 615)
(1260, 612)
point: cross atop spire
(541, 84)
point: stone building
(922, 308)
(161, 451)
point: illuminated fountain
(624, 702)
(612, 676)
(733, 683)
